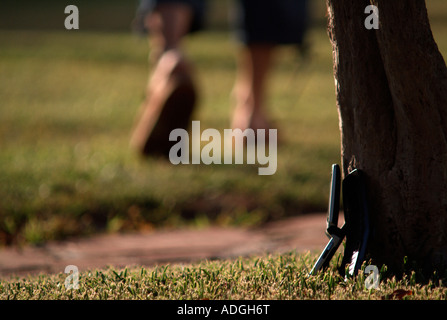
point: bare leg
(171, 94)
(167, 26)
(250, 88)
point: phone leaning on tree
(355, 227)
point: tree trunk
(391, 87)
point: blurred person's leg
(171, 93)
(262, 26)
(168, 23)
(254, 65)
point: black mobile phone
(357, 219)
(334, 233)
(327, 254)
(334, 201)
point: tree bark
(391, 88)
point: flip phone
(334, 233)
(355, 227)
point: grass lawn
(272, 277)
(68, 103)
(68, 100)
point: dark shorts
(197, 6)
(271, 21)
(255, 21)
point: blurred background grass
(68, 100)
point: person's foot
(244, 117)
(170, 100)
(248, 116)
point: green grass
(68, 103)
(271, 277)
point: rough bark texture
(391, 87)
